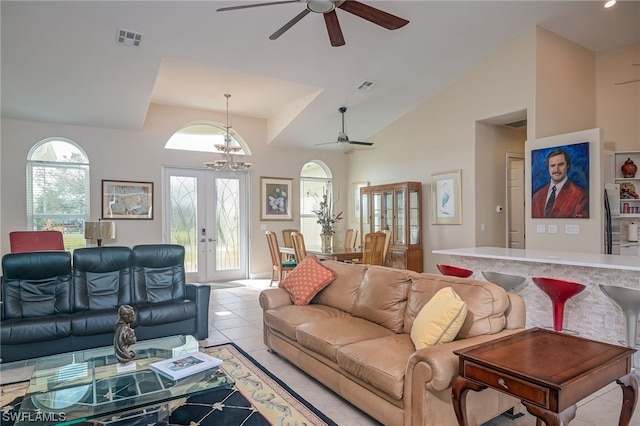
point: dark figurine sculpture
(124, 334)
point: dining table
(335, 253)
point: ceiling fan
(328, 9)
(629, 81)
(342, 136)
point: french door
(206, 211)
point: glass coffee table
(92, 386)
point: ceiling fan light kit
(321, 6)
(328, 9)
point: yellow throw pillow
(439, 320)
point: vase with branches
(323, 210)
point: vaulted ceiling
(61, 62)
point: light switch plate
(540, 229)
(572, 229)
(552, 229)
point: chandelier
(227, 151)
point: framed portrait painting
(127, 200)
(560, 181)
(446, 198)
(275, 198)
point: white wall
(139, 155)
(440, 135)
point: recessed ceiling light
(609, 4)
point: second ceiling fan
(328, 9)
(342, 135)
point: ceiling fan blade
(247, 6)
(289, 24)
(361, 143)
(627, 82)
(333, 28)
(371, 14)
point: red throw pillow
(307, 279)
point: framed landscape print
(446, 198)
(275, 198)
(127, 200)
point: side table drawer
(507, 384)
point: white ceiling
(60, 61)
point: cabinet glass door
(399, 233)
(387, 215)
(376, 212)
(414, 217)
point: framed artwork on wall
(275, 198)
(127, 200)
(354, 203)
(446, 198)
(560, 182)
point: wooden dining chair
(373, 253)
(387, 240)
(299, 248)
(350, 238)
(286, 240)
(280, 267)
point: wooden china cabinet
(395, 207)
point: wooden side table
(549, 371)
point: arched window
(58, 189)
(204, 137)
(315, 180)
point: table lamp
(99, 231)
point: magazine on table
(185, 365)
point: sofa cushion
(326, 336)
(486, 302)
(158, 273)
(307, 279)
(285, 319)
(439, 320)
(92, 322)
(165, 313)
(341, 293)
(382, 369)
(382, 297)
(37, 329)
(36, 284)
(101, 277)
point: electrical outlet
(609, 321)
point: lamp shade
(99, 231)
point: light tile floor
(235, 315)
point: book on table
(182, 366)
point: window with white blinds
(58, 189)
(315, 179)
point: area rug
(257, 398)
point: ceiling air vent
(129, 38)
(365, 85)
(516, 124)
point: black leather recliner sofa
(50, 307)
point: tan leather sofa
(354, 337)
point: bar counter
(584, 313)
